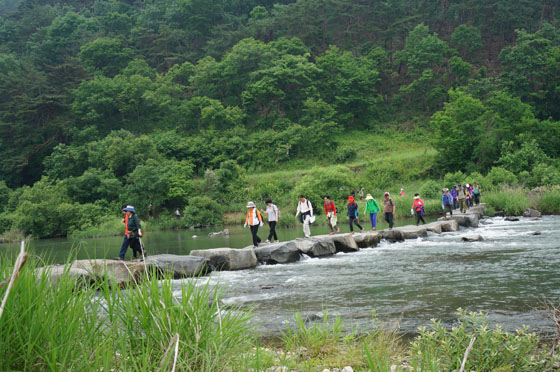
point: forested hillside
(104, 102)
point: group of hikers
(460, 197)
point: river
(507, 275)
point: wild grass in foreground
(162, 325)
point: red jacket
(329, 207)
(417, 205)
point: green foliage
(336, 181)
(523, 159)
(467, 40)
(106, 55)
(446, 348)
(430, 190)
(453, 179)
(499, 177)
(512, 202)
(202, 211)
(549, 202)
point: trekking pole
(142, 248)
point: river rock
(229, 259)
(178, 266)
(342, 242)
(536, 233)
(500, 214)
(278, 253)
(392, 235)
(223, 232)
(55, 272)
(478, 210)
(530, 212)
(347, 369)
(119, 273)
(466, 220)
(449, 225)
(434, 227)
(367, 239)
(412, 232)
(472, 238)
(195, 236)
(511, 219)
(316, 247)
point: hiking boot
(332, 233)
(337, 229)
(277, 241)
(119, 259)
(267, 241)
(362, 230)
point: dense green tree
(467, 40)
(109, 56)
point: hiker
(372, 207)
(468, 196)
(151, 209)
(402, 193)
(133, 231)
(418, 208)
(177, 214)
(330, 212)
(253, 220)
(476, 193)
(126, 242)
(305, 211)
(447, 202)
(352, 214)
(273, 218)
(389, 209)
(454, 196)
(461, 198)
(361, 193)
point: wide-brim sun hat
(350, 198)
(251, 205)
(129, 208)
(369, 197)
(387, 194)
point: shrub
(202, 211)
(498, 177)
(453, 179)
(549, 202)
(430, 190)
(344, 154)
(493, 348)
(512, 202)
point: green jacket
(134, 225)
(372, 206)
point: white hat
(251, 205)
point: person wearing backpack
(352, 214)
(133, 232)
(273, 218)
(461, 197)
(305, 211)
(476, 193)
(254, 220)
(447, 202)
(389, 209)
(418, 208)
(372, 207)
(330, 212)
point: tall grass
(512, 201)
(549, 202)
(59, 327)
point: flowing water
(507, 275)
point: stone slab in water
(227, 259)
(449, 225)
(393, 235)
(466, 220)
(178, 266)
(55, 272)
(367, 239)
(118, 273)
(434, 227)
(412, 232)
(278, 253)
(342, 242)
(314, 247)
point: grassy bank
(47, 327)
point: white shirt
(271, 211)
(304, 207)
(253, 219)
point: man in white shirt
(306, 210)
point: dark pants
(477, 199)
(469, 202)
(389, 219)
(419, 218)
(272, 234)
(447, 207)
(455, 204)
(126, 242)
(352, 221)
(136, 247)
(256, 239)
